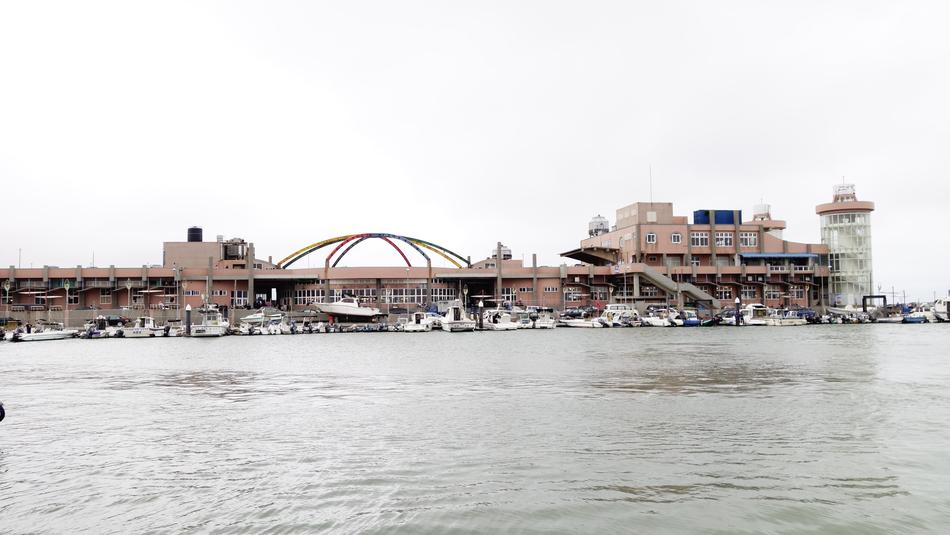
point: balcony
(778, 269)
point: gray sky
(123, 123)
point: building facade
(658, 257)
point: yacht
(212, 324)
(348, 307)
(456, 320)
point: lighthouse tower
(846, 230)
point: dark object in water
(3, 413)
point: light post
(406, 295)
(6, 288)
(465, 297)
(128, 286)
(184, 289)
(610, 294)
(738, 314)
(481, 317)
(66, 305)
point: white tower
(846, 230)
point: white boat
(538, 318)
(620, 315)
(583, 323)
(498, 320)
(348, 307)
(662, 317)
(144, 327)
(940, 309)
(755, 314)
(97, 328)
(788, 319)
(418, 323)
(893, 318)
(212, 324)
(48, 331)
(457, 320)
(261, 322)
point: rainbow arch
(352, 240)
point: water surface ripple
(831, 429)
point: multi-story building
(656, 256)
(846, 230)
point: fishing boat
(661, 317)
(940, 309)
(349, 307)
(789, 318)
(755, 314)
(212, 324)
(620, 315)
(418, 323)
(690, 318)
(538, 318)
(456, 320)
(144, 327)
(46, 331)
(498, 320)
(97, 328)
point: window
(773, 292)
(218, 293)
(748, 293)
(258, 266)
(105, 296)
(723, 239)
(239, 298)
(489, 265)
(508, 294)
(192, 293)
(676, 237)
(550, 289)
(72, 298)
(797, 292)
(651, 238)
(302, 297)
(723, 292)
(693, 261)
(699, 239)
(443, 294)
(648, 291)
(748, 239)
(525, 290)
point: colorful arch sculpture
(352, 240)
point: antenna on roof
(651, 183)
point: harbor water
(819, 429)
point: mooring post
(187, 320)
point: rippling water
(831, 429)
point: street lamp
(6, 288)
(184, 289)
(66, 305)
(738, 314)
(465, 297)
(406, 295)
(128, 286)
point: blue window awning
(779, 255)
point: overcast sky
(123, 123)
